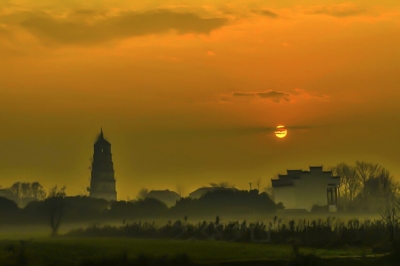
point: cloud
(278, 96)
(100, 28)
(339, 11)
(275, 96)
(266, 13)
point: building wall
(307, 188)
(286, 195)
(311, 190)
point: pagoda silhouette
(102, 182)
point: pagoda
(102, 182)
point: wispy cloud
(276, 96)
(339, 11)
(266, 13)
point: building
(300, 189)
(167, 196)
(102, 182)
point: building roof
(287, 180)
(101, 140)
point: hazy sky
(189, 94)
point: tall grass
(323, 233)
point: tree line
(59, 208)
(366, 187)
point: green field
(71, 251)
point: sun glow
(280, 131)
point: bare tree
(54, 206)
(350, 183)
(366, 171)
(371, 183)
(16, 189)
(258, 183)
(25, 190)
(28, 190)
(38, 191)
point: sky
(189, 92)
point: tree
(16, 189)
(366, 171)
(269, 190)
(37, 191)
(222, 185)
(389, 186)
(28, 190)
(382, 189)
(8, 210)
(366, 185)
(7, 207)
(142, 194)
(350, 183)
(258, 183)
(54, 206)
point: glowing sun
(280, 132)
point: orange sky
(190, 93)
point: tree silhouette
(54, 206)
(350, 183)
(28, 190)
(142, 194)
(258, 183)
(222, 185)
(366, 185)
(366, 171)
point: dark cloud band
(125, 25)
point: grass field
(42, 250)
(71, 251)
